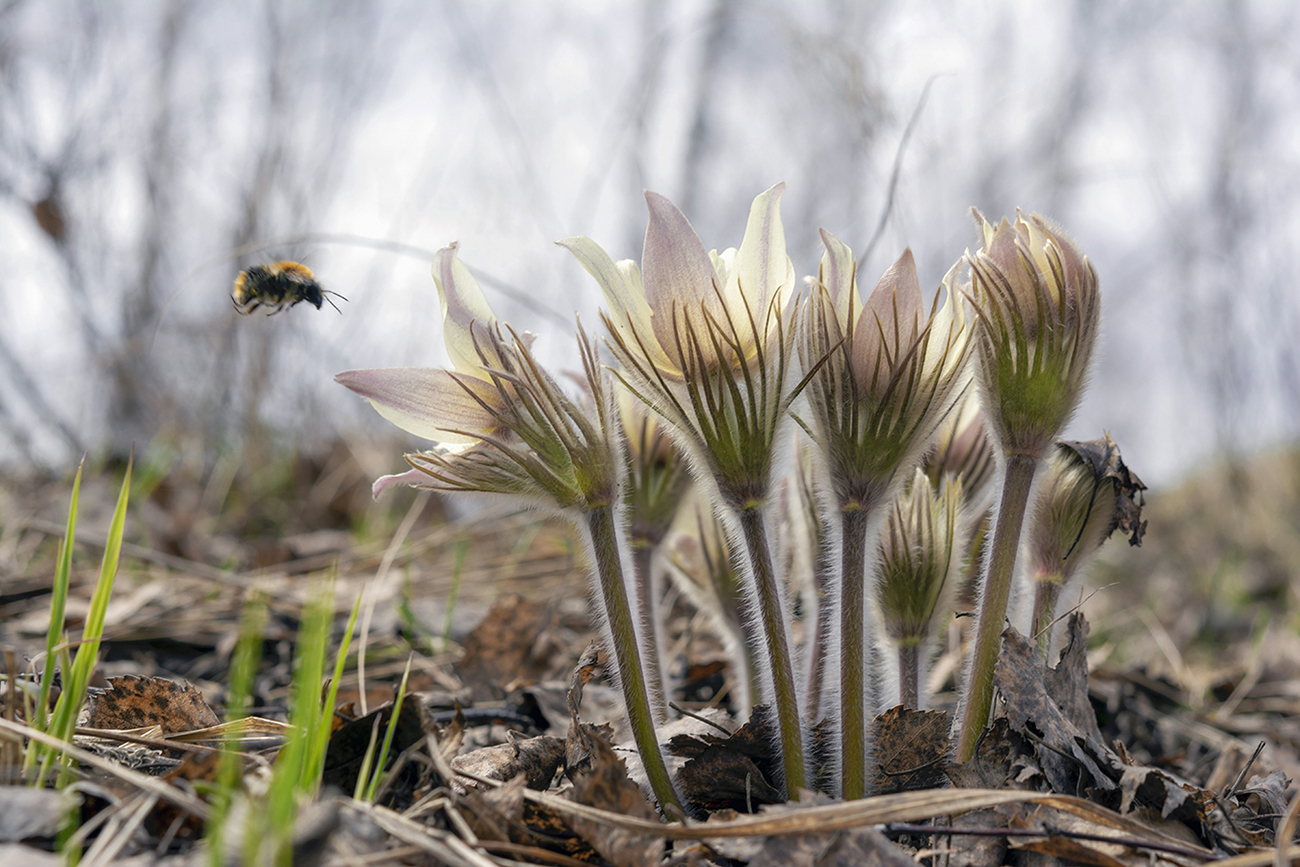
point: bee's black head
(311, 293)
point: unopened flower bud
(1087, 494)
(920, 564)
(1039, 313)
(962, 449)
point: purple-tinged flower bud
(1039, 310)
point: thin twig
(1236, 784)
(695, 716)
(897, 169)
(1048, 832)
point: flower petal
(890, 320)
(411, 477)
(464, 310)
(624, 293)
(762, 267)
(838, 275)
(678, 273)
(438, 405)
(1011, 257)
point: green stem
(609, 568)
(909, 675)
(772, 619)
(647, 612)
(853, 656)
(1047, 591)
(993, 609)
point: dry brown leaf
(607, 786)
(133, 702)
(348, 744)
(536, 760)
(578, 743)
(732, 772)
(850, 847)
(1067, 754)
(503, 648)
(502, 813)
(997, 762)
(911, 749)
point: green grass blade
(58, 610)
(378, 772)
(243, 673)
(321, 739)
(78, 677)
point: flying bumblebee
(276, 286)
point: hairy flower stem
(603, 529)
(778, 649)
(648, 614)
(823, 630)
(853, 656)
(909, 675)
(993, 608)
(1046, 594)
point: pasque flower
(504, 426)
(1086, 494)
(1039, 310)
(920, 563)
(886, 371)
(704, 339)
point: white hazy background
(143, 143)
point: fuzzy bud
(1039, 312)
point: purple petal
(437, 405)
(890, 320)
(411, 477)
(676, 269)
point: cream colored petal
(438, 405)
(762, 270)
(987, 229)
(624, 293)
(839, 276)
(724, 264)
(465, 310)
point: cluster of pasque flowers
(724, 374)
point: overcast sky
(168, 135)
